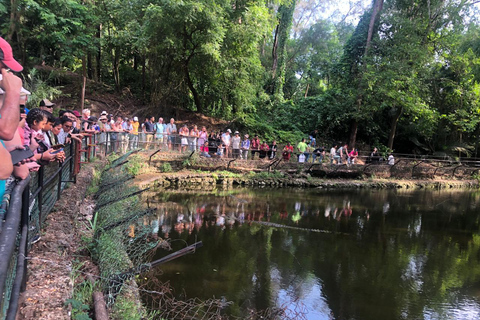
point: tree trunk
(196, 97)
(115, 69)
(353, 133)
(98, 76)
(274, 53)
(13, 18)
(354, 125)
(377, 7)
(393, 127)
(285, 13)
(144, 61)
(84, 84)
(89, 66)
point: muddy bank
(212, 179)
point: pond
(327, 254)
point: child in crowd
(220, 149)
(204, 150)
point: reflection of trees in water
(407, 253)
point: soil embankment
(49, 277)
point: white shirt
(62, 136)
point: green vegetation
(406, 76)
(136, 163)
(266, 175)
(166, 167)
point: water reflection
(339, 255)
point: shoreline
(194, 178)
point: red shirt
(256, 144)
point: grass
(266, 175)
(82, 300)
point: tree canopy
(402, 74)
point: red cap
(6, 56)
(76, 113)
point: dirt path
(49, 282)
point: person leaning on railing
(171, 131)
(9, 109)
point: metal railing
(24, 211)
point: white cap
(135, 118)
(228, 130)
(23, 91)
(104, 113)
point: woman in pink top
(202, 136)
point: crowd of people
(30, 138)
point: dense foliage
(405, 76)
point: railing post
(40, 193)
(59, 187)
(24, 222)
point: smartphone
(20, 154)
(58, 146)
(57, 151)
(42, 145)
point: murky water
(361, 254)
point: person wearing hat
(133, 144)
(104, 128)
(226, 140)
(9, 108)
(127, 130)
(46, 105)
(245, 147)
(11, 85)
(236, 140)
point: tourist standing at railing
(148, 130)
(67, 131)
(202, 137)
(103, 131)
(77, 121)
(134, 134)
(263, 150)
(116, 135)
(46, 105)
(273, 150)
(9, 109)
(47, 136)
(11, 85)
(36, 120)
(184, 133)
(159, 130)
(302, 149)
(255, 146)
(171, 131)
(245, 147)
(192, 140)
(56, 129)
(227, 140)
(236, 142)
(86, 124)
(127, 129)
(287, 152)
